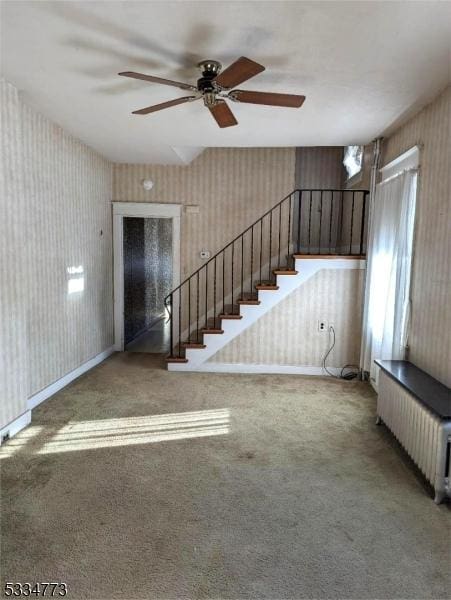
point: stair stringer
(251, 313)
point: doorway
(146, 269)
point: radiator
(424, 436)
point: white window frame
(407, 160)
(145, 210)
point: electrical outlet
(322, 326)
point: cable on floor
(352, 374)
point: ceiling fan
(214, 88)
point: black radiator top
(429, 391)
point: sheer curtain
(387, 305)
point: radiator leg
(439, 497)
(378, 420)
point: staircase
(305, 232)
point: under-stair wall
(287, 338)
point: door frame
(145, 210)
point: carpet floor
(134, 482)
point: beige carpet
(273, 487)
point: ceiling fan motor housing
(209, 69)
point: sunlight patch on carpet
(108, 433)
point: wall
(13, 381)
(430, 340)
(58, 210)
(288, 334)
(320, 167)
(233, 187)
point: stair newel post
(270, 245)
(233, 260)
(180, 321)
(223, 282)
(252, 259)
(197, 308)
(309, 221)
(320, 220)
(299, 219)
(352, 223)
(242, 267)
(280, 233)
(206, 296)
(189, 310)
(214, 290)
(330, 219)
(362, 225)
(340, 238)
(261, 247)
(289, 226)
(171, 325)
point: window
(353, 160)
(387, 304)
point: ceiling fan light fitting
(210, 98)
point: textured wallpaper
(58, 267)
(288, 334)
(233, 187)
(430, 339)
(13, 238)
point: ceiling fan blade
(222, 114)
(178, 84)
(163, 105)
(268, 98)
(239, 71)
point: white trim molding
(15, 426)
(212, 367)
(58, 385)
(407, 160)
(145, 210)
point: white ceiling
(362, 65)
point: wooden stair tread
(249, 302)
(250, 298)
(176, 359)
(285, 272)
(231, 312)
(212, 326)
(266, 286)
(194, 345)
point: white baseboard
(58, 385)
(15, 426)
(212, 367)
